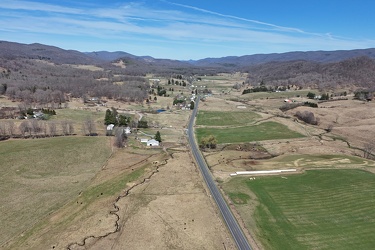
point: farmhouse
(127, 130)
(152, 143)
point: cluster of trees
(142, 124)
(312, 95)
(177, 101)
(161, 91)
(48, 111)
(310, 104)
(208, 142)
(261, 88)
(364, 94)
(308, 117)
(173, 82)
(113, 117)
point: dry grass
(40, 176)
(351, 119)
(170, 210)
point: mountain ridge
(58, 55)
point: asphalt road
(229, 219)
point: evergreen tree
(191, 105)
(123, 120)
(158, 136)
(110, 117)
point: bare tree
(368, 150)
(70, 127)
(120, 137)
(65, 127)
(35, 126)
(52, 128)
(89, 127)
(11, 128)
(43, 126)
(329, 128)
(23, 128)
(2, 129)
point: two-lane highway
(229, 219)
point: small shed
(152, 143)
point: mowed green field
(320, 209)
(217, 118)
(38, 176)
(259, 132)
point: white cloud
(35, 6)
(175, 24)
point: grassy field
(320, 209)
(212, 118)
(39, 176)
(78, 116)
(260, 132)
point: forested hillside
(354, 72)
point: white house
(144, 140)
(152, 143)
(110, 127)
(127, 130)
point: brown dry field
(168, 208)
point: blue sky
(182, 29)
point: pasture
(320, 209)
(216, 118)
(259, 132)
(39, 176)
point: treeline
(34, 128)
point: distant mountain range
(12, 50)
(321, 69)
(313, 56)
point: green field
(320, 209)
(260, 132)
(216, 118)
(38, 176)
